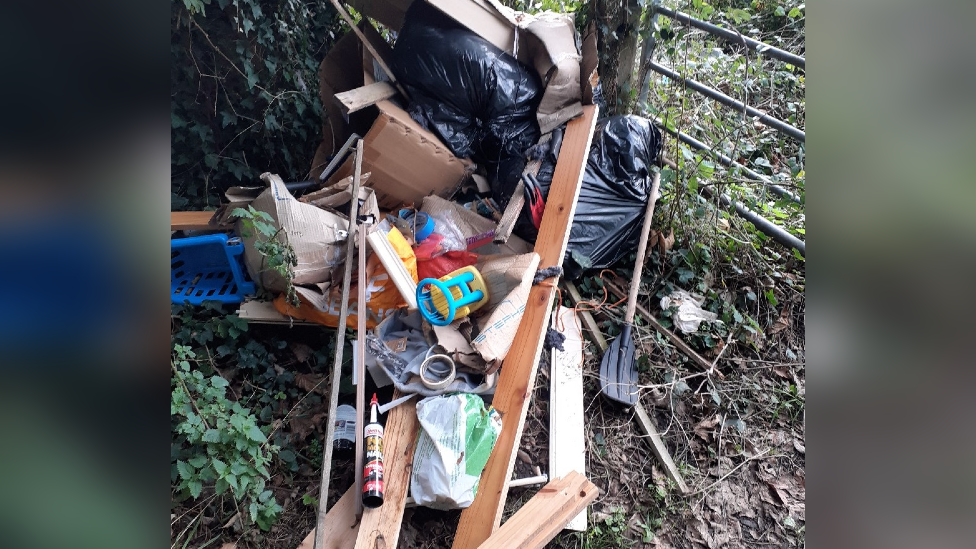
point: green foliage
(272, 243)
(218, 442)
(610, 532)
(244, 92)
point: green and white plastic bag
(456, 437)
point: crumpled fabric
(690, 315)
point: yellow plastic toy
(455, 295)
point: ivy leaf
(794, 13)
(227, 118)
(248, 26)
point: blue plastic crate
(208, 268)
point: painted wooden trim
(567, 438)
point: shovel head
(618, 369)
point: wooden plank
(517, 377)
(394, 267)
(380, 527)
(369, 46)
(360, 98)
(340, 525)
(264, 312)
(567, 438)
(539, 520)
(658, 447)
(678, 342)
(194, 221)
(643, 419)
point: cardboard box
(406, 162)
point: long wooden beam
(517, 378)
(539, 520)
(380, 527)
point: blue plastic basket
(208, 268)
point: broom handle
(642, 250)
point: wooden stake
(361, 312)
(517, 377)
(539, 520)
(337, 364)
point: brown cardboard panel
(405, 161)
(339, 71)
(483, 19)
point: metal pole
(726, 161)
(760, 47)
(776, 123)
(764, 225)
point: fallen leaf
(783, 372)
(312, 382)
(302, 351)
(705, 428)
(665, 242)
(229, 546)
(782, 323)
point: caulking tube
(373, 470)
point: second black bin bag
(614, 193)
(480, 101)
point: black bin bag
(480, 101)
(614, 194)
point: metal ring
(425, 366)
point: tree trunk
(618, 25)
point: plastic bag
(480, 101)
(614, 194)
(456, 438)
